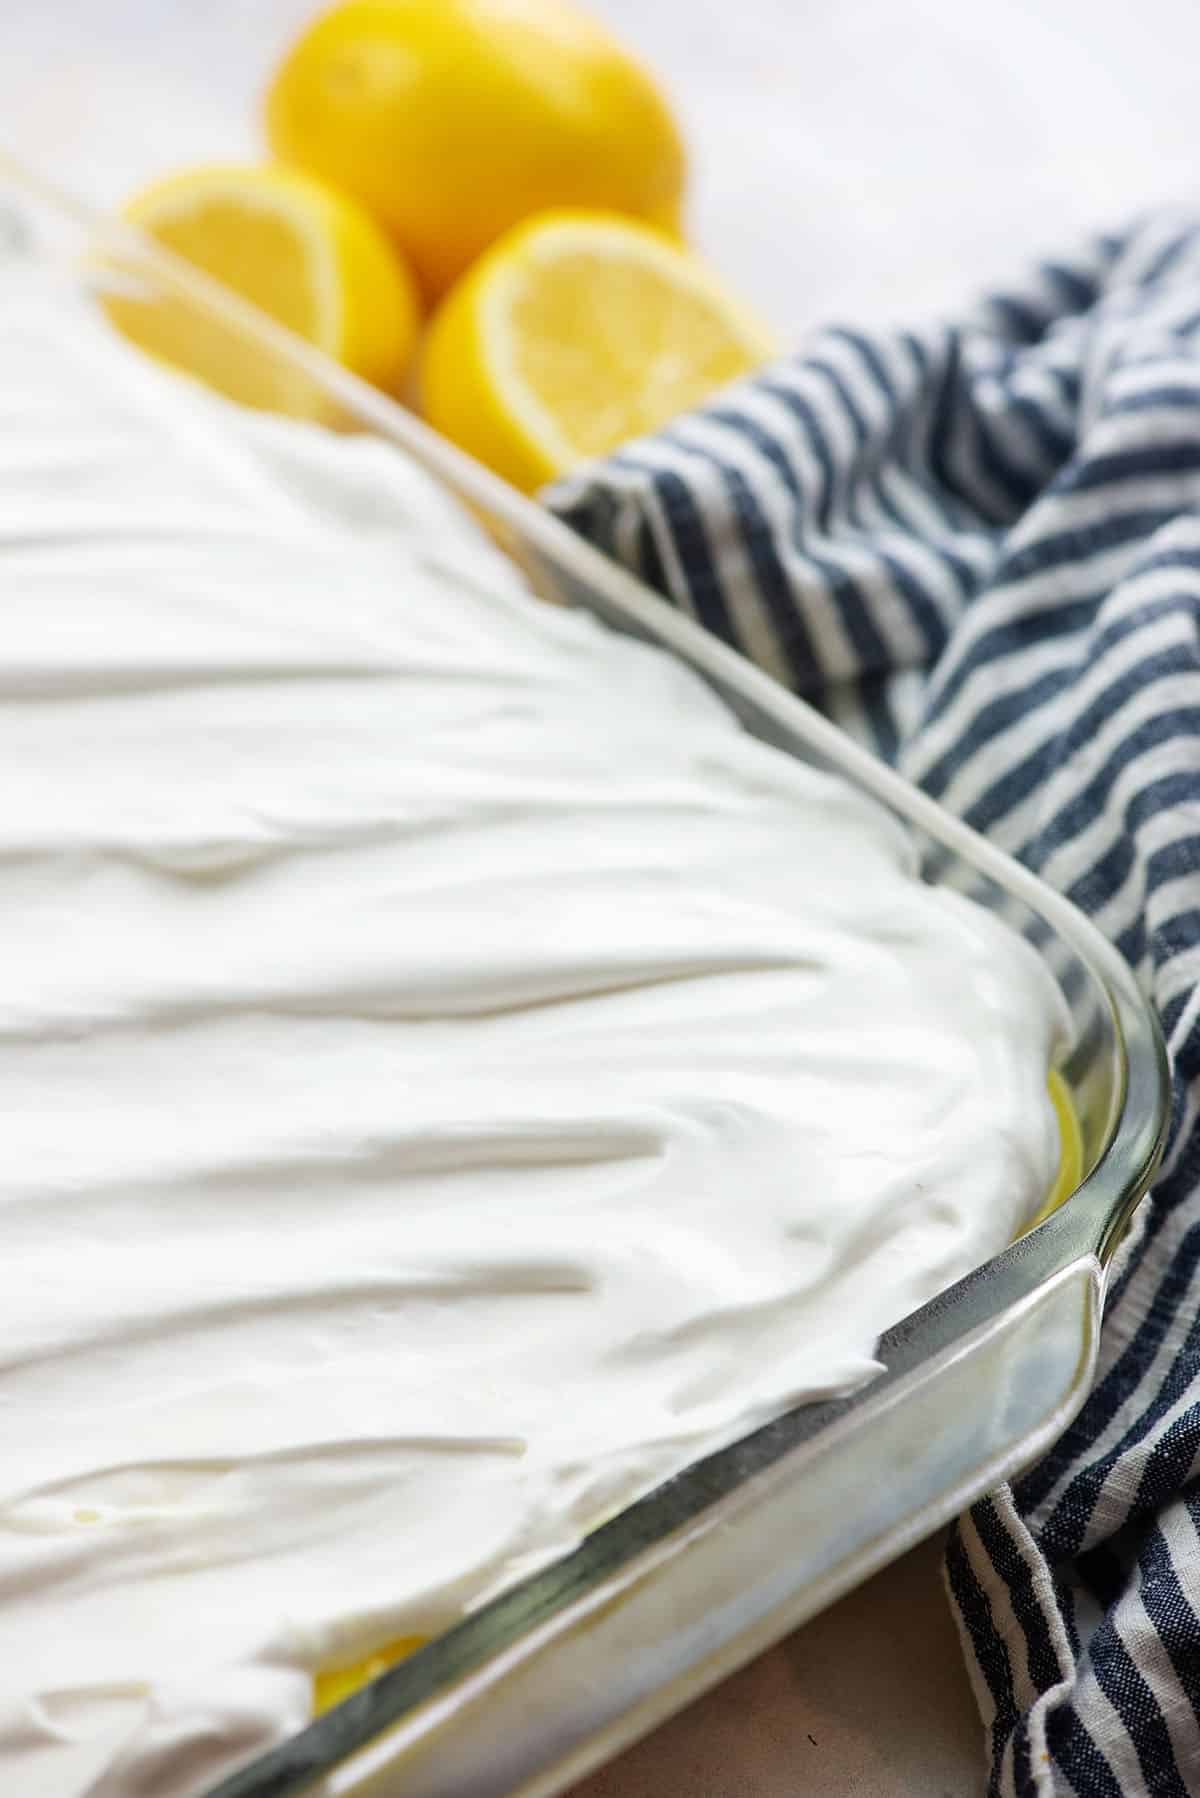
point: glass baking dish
(661, 1601)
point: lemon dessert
(453, 1076)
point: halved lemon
(575, 332)
(304, 253)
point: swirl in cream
(451, 1075)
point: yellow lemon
(454, 119)
(575, 332)
(304, 253)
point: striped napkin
(977, 546)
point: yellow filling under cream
(1070, 1158)
(336, 1683)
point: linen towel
(977, 545)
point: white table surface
(861, 159)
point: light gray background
(864, 159)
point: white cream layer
(450, 1075)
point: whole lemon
(451, 120)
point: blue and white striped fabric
(979, 546)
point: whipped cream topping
(451, 1075)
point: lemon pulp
(574, 333)
(303, 253)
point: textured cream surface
(451, 1076)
